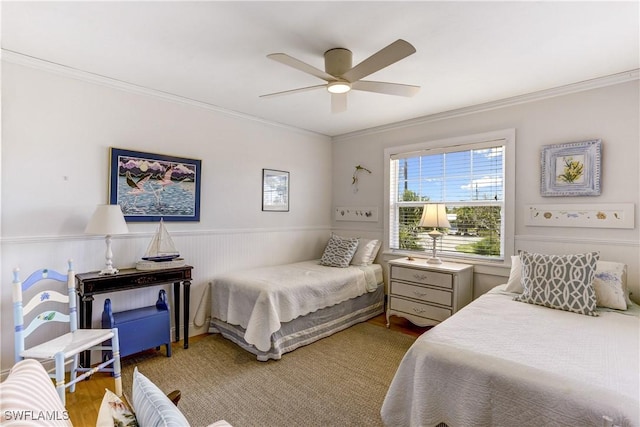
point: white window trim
(509, 136)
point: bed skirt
(312, 327)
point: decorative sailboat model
(161, 253)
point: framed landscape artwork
(275, 190)
(150, 187)
(571, 169)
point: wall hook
(354, 181)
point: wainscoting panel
(209, 252)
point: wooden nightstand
(427, 294)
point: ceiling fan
(341, 77)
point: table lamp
(107, 220)
(434, 215)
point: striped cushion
(152, 407)
(29, 398)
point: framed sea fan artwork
(152, 187)
(571, 169)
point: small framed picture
(275, 190)
(571, 169)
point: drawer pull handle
(420, 276)
(419, 310)
(420, 294)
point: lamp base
(435, 235)
(108, 270)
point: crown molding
(599, 82)
(52, 67)
(37, 63)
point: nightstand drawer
(417, 309)
(422, 276)
(421, 293)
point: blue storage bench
(141, 328)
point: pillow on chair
(114, 412)
(152, 406)
(29, 398)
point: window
(468, 175)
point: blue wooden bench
(141, 328)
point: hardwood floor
(84, 404)
(399, 324)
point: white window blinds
(469, 180)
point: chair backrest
(68, 297)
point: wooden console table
(90, 284)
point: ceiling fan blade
(386, 88)
(287, 92)
(383, 58)
(338, 102)
(285, 59)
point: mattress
(260, 300)
(502, 362)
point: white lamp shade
(434, 215)
(107, 220)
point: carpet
(340, 380)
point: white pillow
(152, 406)
(114, 412)
(514, 284)
(366, 252)
(610, 283)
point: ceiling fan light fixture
(341, 77)
(339, 87)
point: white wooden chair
(66, 348)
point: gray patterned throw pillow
(564, 282)
(339, 251)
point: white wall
(610, 113)
(57, 130)
(56, 134)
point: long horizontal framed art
(571, 169)
(351, 213)
(149, 187)
(595, 215)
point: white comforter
(261, 299)
(506, 363)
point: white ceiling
(214, 52)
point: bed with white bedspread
(507, 363)
(272, 310)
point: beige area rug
(337, 381)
